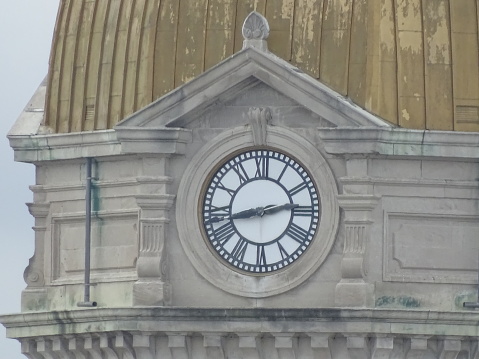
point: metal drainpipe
(86, 298)
(473, 305)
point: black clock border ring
(289, 162)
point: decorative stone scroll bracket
(259, 119)
(152, 287)
(352, 290)
(33, 275)
(182, 345)
(255, 31)
(358, 347)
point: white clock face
(260, 211)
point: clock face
(260, 211)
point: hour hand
(252, 212)
(248, 213)
(216, 219)
(277, 208)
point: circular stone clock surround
(190, 233)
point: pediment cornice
(235, 75)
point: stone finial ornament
(255, 31)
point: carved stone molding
(285, 345)
(259, 119)
(152, 287)
(159, 204)
(382, 348)
(213, 346)
(34, 272)
(77, 347)
(450, 349)
(358, 347)
(144, 346)
(246, 333)
(248, 344)
(407, 240)
(152, 249)
(191, 237)
(179, 345)
(419, 349)
(205, 345)
(124, 345)
(320, 345)
(255, 31)
(352, 290)
(45, 348)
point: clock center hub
(256, 194)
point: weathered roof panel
(414, 63)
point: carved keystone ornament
(259, 118)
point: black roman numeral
(297, 233)
(262, 166)
(282, 172)
(240, 171)
(224, 233)
(220, 211)
(229, 190)
(260, 256)
(303, 211)
(298, 188)
(282, 251)
(239, 250)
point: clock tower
(235, 200)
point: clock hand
(271, 209)
(216, 219)
(254, 212)
(248, 213)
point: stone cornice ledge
(153, 139)
(161, 319)
(49, 147)
(121, 140)
(400, 142)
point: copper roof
(413, 62)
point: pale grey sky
(26, 28)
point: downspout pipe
(474, 305)
(86, 296)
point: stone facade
(247, 333)
(393, 260)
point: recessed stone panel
(431, 248)
(114, 246)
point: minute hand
(277, 208)
(254, 212)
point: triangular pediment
(252, 78)
(233, 110)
